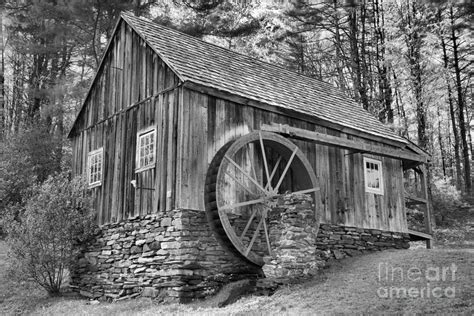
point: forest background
(409, 63)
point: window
(373, 176)
(146, 149)
(94, 167)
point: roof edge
(101, 64)
(123, 17)
(195, 85)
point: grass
(16, 298)
(354, 285)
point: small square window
(146, 149)
(94, 167)
(373, 176)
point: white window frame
(380, 189)
(99, 152)
(142, 134)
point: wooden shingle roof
(209, 65)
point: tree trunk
(462, 122)
(356, 71)
(414, 42)
(382, 69)
(441, 145)
(457, 158)
(2, 78)
(400, 108)
(338, 46)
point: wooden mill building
(172, 122)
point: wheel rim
(252, 173)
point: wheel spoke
(286, 169)
(235, 205)
(245, 173)
(306, 191)
(266, 236)
(264, 156)
(239, 182)
(252, 165)
(255, 234)
(254, 212)
(273, 172)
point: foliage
(55, 220)
(452, 237)
(446, 201)
(26, 158)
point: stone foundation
(337, 242)
(300, 250)
(174, 254)
(293, 230)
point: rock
(145, 260)
(154, 245)
(139, 270)
(150, 292)
(231, 292)
(146, 248)
(338, 254)
(136, 249)
(166, 222)
(140, 242)
(86, 294)
(169, 245)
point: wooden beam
(414, 200)
(427, 217)
(73, 132)
(415, 235)
(344, 143)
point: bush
(44, 239)
(446, 201)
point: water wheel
(243, 184)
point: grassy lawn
(373, 283)
(16, 298)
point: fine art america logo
(429, 282)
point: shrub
(44, 239)
(447, 201)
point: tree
(2, 76)
(452, 113)
(460, 101)
(414, 32)
(27, 158)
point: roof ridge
(226, 50)
(125, 16)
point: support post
(427, 215)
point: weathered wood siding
(133, 90)
(207, 123)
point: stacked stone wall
(292, 234)
(176, 255)
(173, 253)
(298, 249)
(337, 242)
